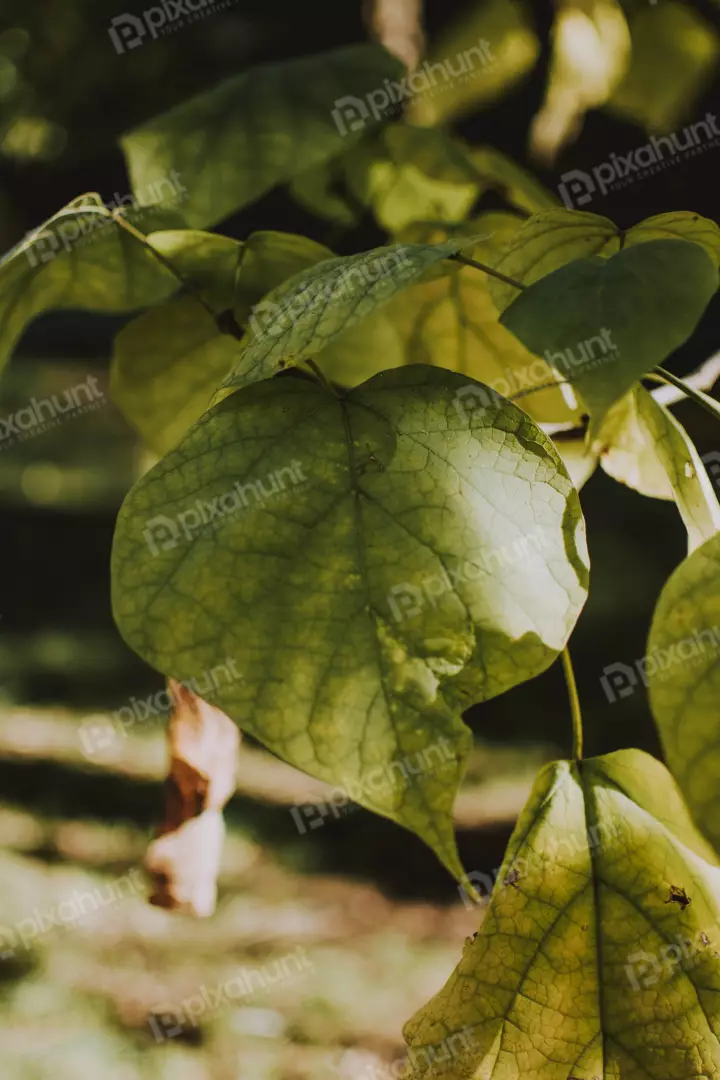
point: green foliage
(382, 538)
(683, 675)
(81, 259)
(423, 555)
(604, 323)
(256, 130)
(168, 363)
(306, 314)
(581, 966)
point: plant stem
(577, 752)
(708, 403)
(224, 320)
(321, 377)
(466, 261)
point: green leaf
(452, 322)
(518, 187)
(582, 967)
(678, 225)
(604, 323)
(682, 669)
(81, 259)
(168, 363)
(546, 242)
(554, 238)
(641, 444)
(303, 316)
(408, 174)
(485, 52)
(261, 128)
(674, 55)
(400, 556)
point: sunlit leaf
(489, 49)
(674, 54)
(590, 54)
(641, 444)
(261, 128)
(682, 668)
(372, 563)
(453, 322)
(584, 965)
(604, 323)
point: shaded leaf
(168, 363)
(552, 239)
(302, 317)
(682, 668)
(603, 323)
(583, 966)
(81, 259)
(261, 128)
(312, 539)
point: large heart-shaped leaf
(307, 313)
(258, 129)
(589, 963)
(604, 323)
(81, 259)
(682, 668)
(373, 563)
(168, 363)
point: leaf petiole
(577, 752)
(703, 399)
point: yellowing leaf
(585, 966)
(642, 445)
(453, 322)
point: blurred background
(379, 923)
